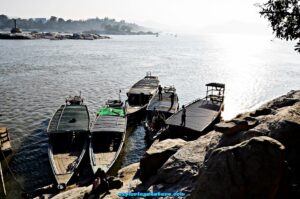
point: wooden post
(206, 92)
(2, 180)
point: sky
(173, 14)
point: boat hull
(135, 113)
(107, 140)
(68, 140)
(65, 164)
(200, 116)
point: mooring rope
(11, 172)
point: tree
(61, 20)
(53, 19)
(284, 17)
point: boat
(201, 114)
(140, 94)
(107, 135)
(5, 148)
(158, 111)
(68, 139)
(6, 155)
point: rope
(11, 172)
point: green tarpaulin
(108, 111)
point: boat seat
(216, 98)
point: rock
(252, 122)
(179, 172)
(74, 193)
(129, 177)
(238, 138)
(251, 169)
(286, 100)
(287, 132)
(157, 155)
(232, 127)
(114, 183)
(261, 111)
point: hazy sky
(191, 14)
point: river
(37, 75)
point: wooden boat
(107, 135)
(200, 114)
(68, 139)
(6, 155)
(160, 110)
(5, 147)
(140, 94)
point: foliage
(284, 17)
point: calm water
(36, 76)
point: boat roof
(147, 85)
(199, 114)
(109, 124)
(164, 104)
(70, 118)
(214, 84)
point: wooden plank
(2, 180)
(163, 105)
(109, 124)
(105, 158)
(62, 178)
(62, 161)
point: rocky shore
(254, 155)
(51, 36)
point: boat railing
(169, 89)
(58, 122)
(211, 90)
(149, 76)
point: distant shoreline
(93, 26)
(87, 35)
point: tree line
(105, 25)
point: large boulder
(157, 155)
(251, 169)
(179, 172)
(232, 127)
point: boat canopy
(214, 84)
(148, 85)
(111, 111)
(70, 118)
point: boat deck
(70, 118)
(109, 124)
(199, 115)
(104, 160)
(107, 138)
(65, 153)
(64, 162)
(163, 105)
